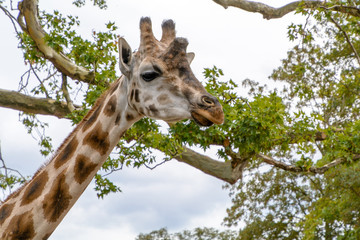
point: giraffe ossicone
(157, 82)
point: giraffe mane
(97, 105)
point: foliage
(196, 234)
(100, 3)
(271, 204)
(104, 186)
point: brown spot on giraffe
(137, 93)
(83, 168)
(118, 119)
(134, 107)
(163, 98)
(91, 120)
(5, 211)
(21, 227)
(153, 109)
(35, 188)
(57, 201)
(110, 107)
(66, 153)
(141, 111)
(132, 94)
(129, 117)
(187, 93)
(175, 90)
(98, 139)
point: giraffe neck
(34, 211)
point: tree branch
(29, 11)
(347, 39)
(22, 102)
(66, 93)
(353, 11)
(220, 170)
(269, 12)
(11, 17)
(293, 138)
(38, 78)
(292, 168)
(232, 171)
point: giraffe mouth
(200, 120)
(205, 119)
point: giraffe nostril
(208, 101)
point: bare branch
(156, 165)
(11, 17)
(66, 93)
(9, 174)
(22, 102)
(269, 12)
(7, 169)
(29, 11)
(292, 168)
(347, 39)
(41, 82)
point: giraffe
(156, 82)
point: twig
(12, 18)
(38, 78)
(155, 166)
(292, 168)
(113, 170)
(3, 163)
(66, 93)
(347, 38)
(23, 86)
(50, 75)
(7, 171)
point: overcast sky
(173, 195)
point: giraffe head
(161, 84)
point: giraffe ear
(125, 55)
(190, 57)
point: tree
(283, 139)
(196, 234)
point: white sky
(173, 195)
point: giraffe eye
(149, 76)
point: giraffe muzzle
(209, 112)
